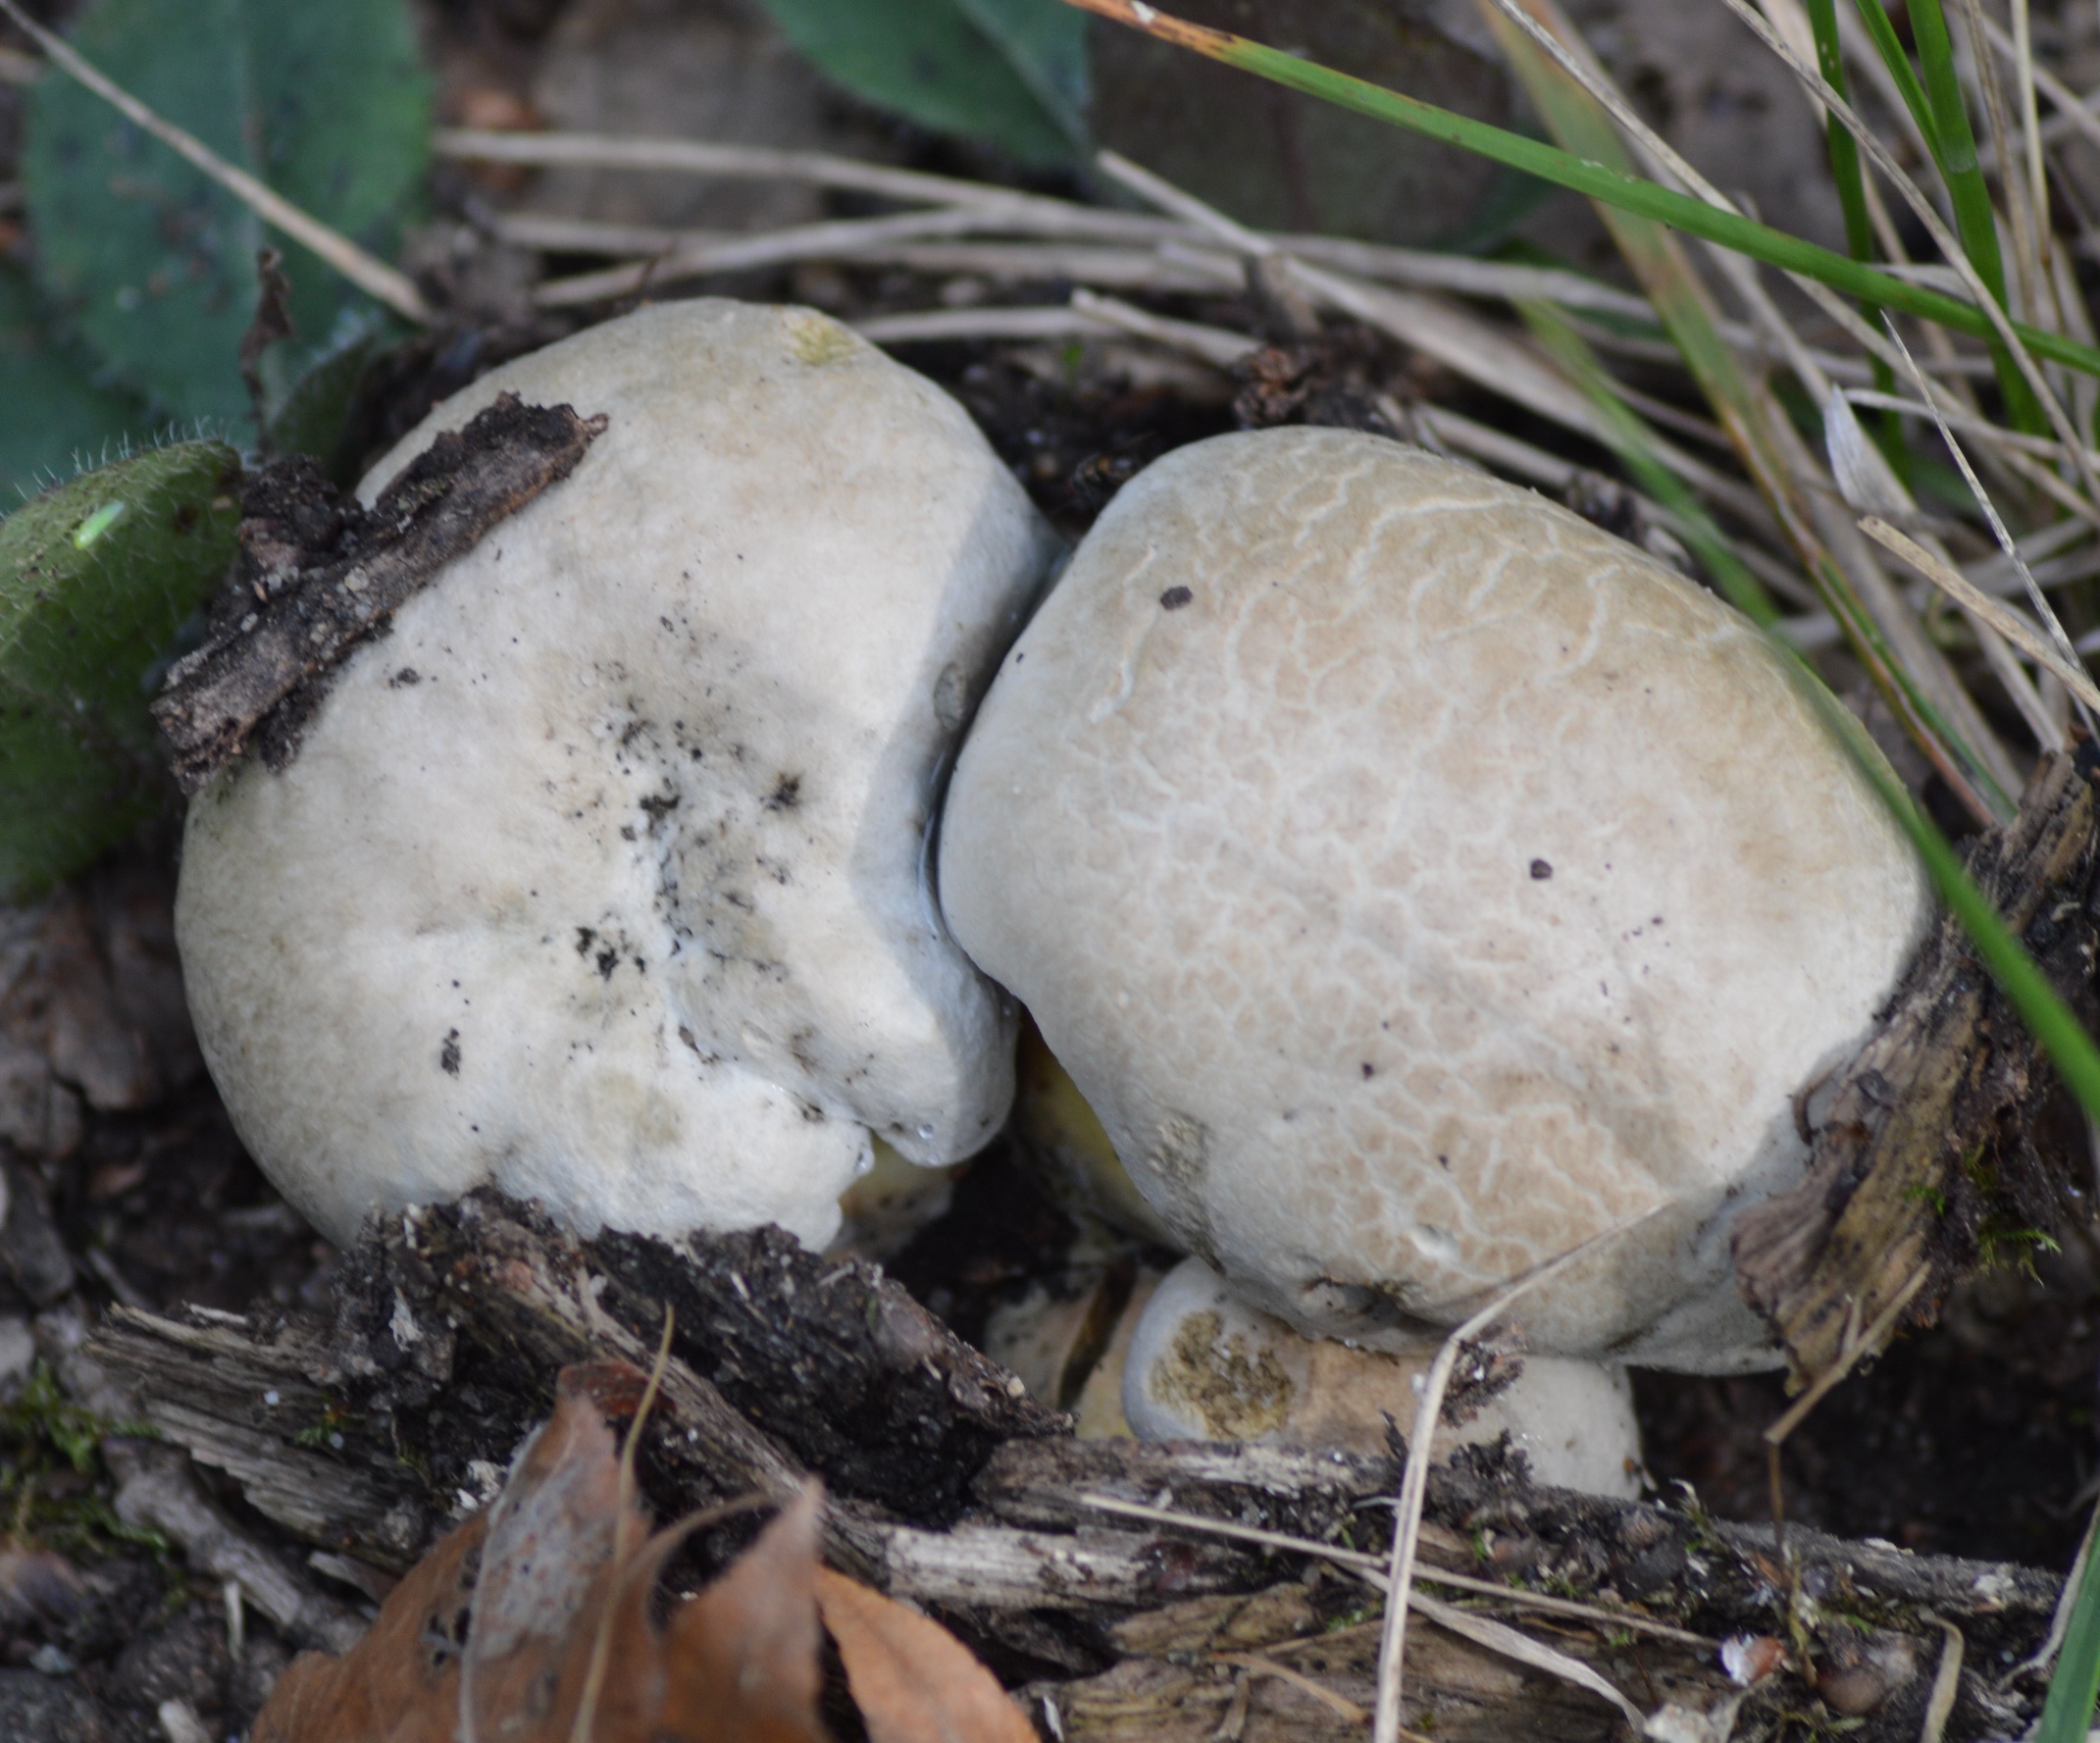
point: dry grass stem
(1415, 1480)
(1500, 1638)
(1946, 1685)
(1943, 239)
(1371, 1569)
(2015, 629)
(1856, 1348)
(1213, 344)
(2006, 542)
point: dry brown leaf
(539, 1611)
(401, 1682)
(913, 1681)
(531, 1624)
(546, 1570)
(741, 1660)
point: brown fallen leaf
(533, 1624)
(913, 1681)
(546, 1567)
(401, 1682)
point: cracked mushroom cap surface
(603, 878)
(1417, 881)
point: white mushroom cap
(1204, 1365)
(603, 878)
(1419, 881)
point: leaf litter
(536, 1621)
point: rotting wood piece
(451, 1323)
(826, 1358)
(450, 1326)
(1456, 1690)
(1677, 1564)
(317, 576)
(1923, 1156)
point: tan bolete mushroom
(1417, 881)
(604, 878)
(1206, 1365)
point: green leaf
(1012, 71)
(153, 262)
(308, 395)
(96, 575)
(59, 415)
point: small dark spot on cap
(1369, 1070)
(786, 794)
(586, 937)
(448, 1054)
(402, 679)
(1539, 870)
(608, 960)
(1442, 1161)
(1174, 598)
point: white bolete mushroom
(604, 878)
(1204, 1365)
(1419, 881)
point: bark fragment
(1925, 1158)
(317, 576)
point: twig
(615, 151)
(1855, 1348)
(780, 247)
(623, 1521)
(1213, 344)
(1415, 1481)
(368, 272)
(1454, 337)
(1372, 1569)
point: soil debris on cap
(318, 577)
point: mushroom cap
(603, 878)
(1419, 881)
(1204, 1364)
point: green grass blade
(1974, 220)
(2075, 1686)
(1883, 34)
(2070, 1048)
(1633, 442)
(1851, 184)
(1615, 188)
(1754, 423)
(1844, 148)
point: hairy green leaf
(96, 575)
(1012, 71)
(59, 415)
(152, 261)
